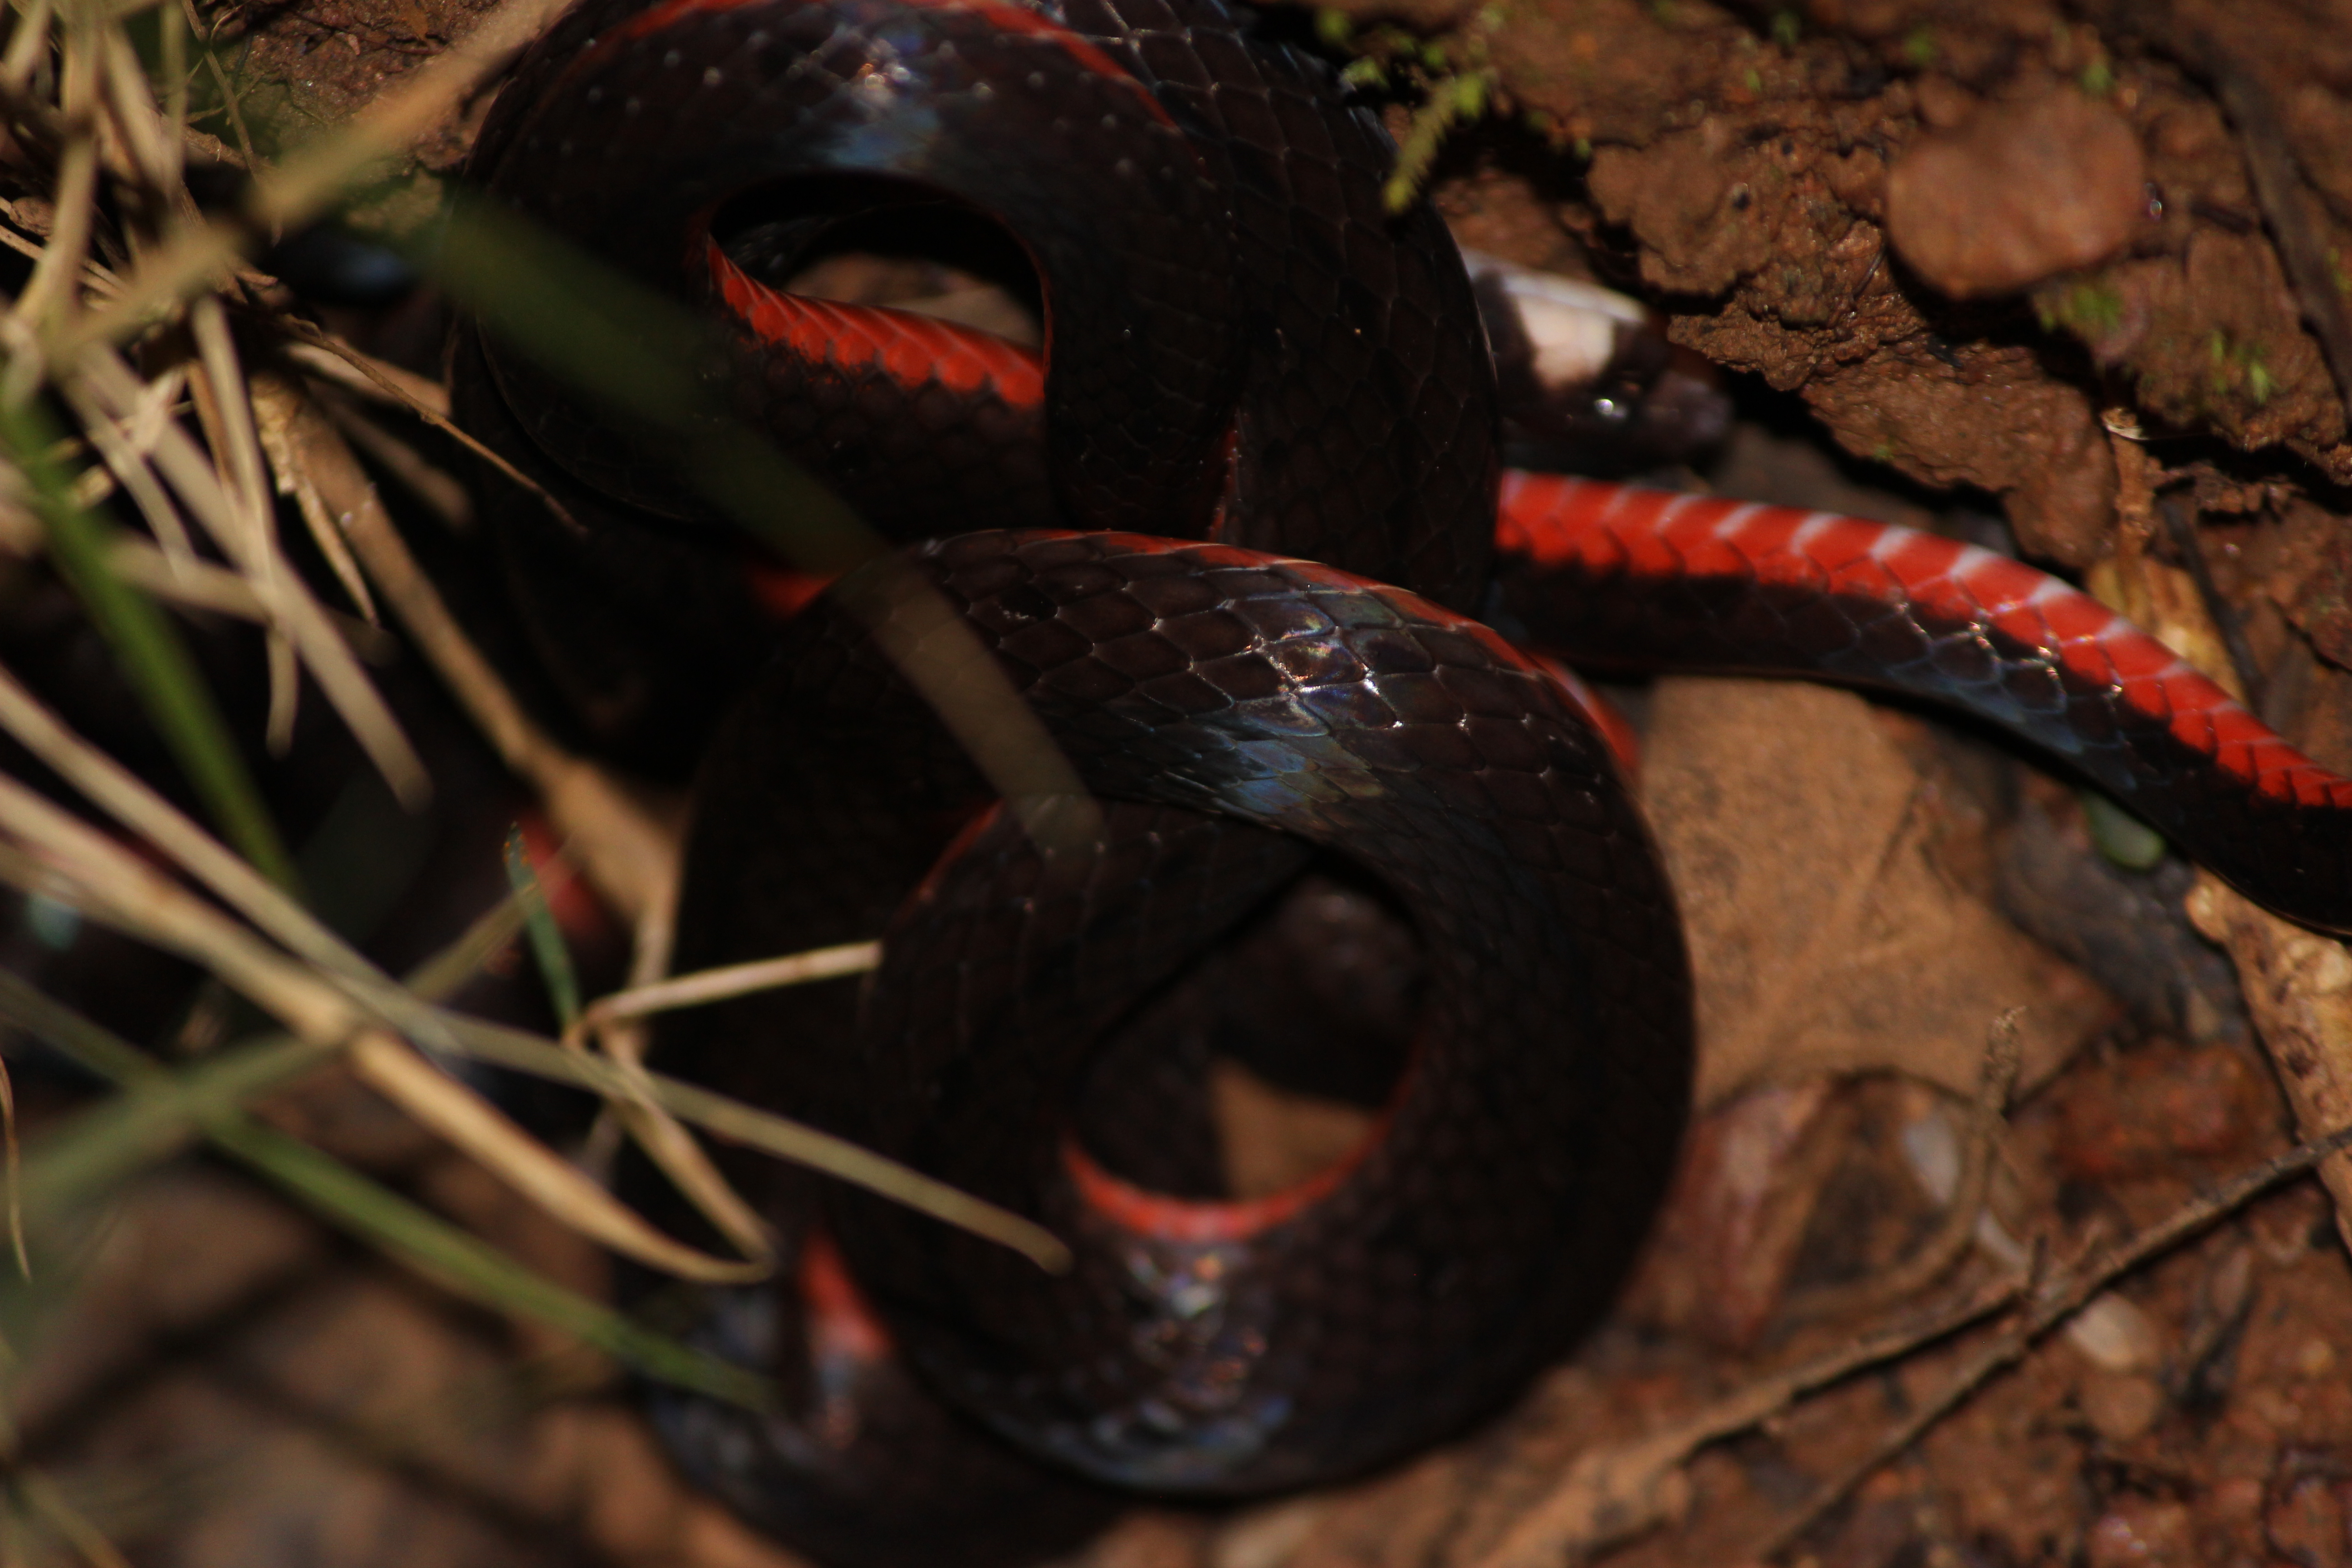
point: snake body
(1226, 537)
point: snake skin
(1611, 574)
(1243, 345)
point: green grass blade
(547, 944)
(158, 1113)
(471, 1266)
(150, 649)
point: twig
(1614, 1492)
(2051, 1304)
(337, 361)
(1956, 1231)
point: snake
(1240, 539)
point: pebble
(2020, 192)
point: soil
(2010, 269)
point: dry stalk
(271, 410)
(628, 851)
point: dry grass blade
(27, 47)
(393, 1067)
(48, 295)
(156, 1116)
(227, 414)
(120, 444)
(324, 355)
(636, 1110)
(442, 494)
(322, 1010)
(105, 386)
(706, 986)
(132, 111)
(763, 1130)
(55, 853)
(630, 856)
(336, 361)
(152, 652)
(15, 1169)
(272, 408)
(197, 584)
(114, 789)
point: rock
(1822, 936)
(2018, 194)
(2120, 1407)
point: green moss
(1919, 47)
(2090, 308)
(1457, 84)
(1787, 28)
(2098, 78)
(2237, 366)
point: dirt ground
(2068, 278)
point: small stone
(2120, 1406)
(2316, 1358)
(2142, 1532)
(1944, 103)
(2023, 192)
(2116, 1335)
